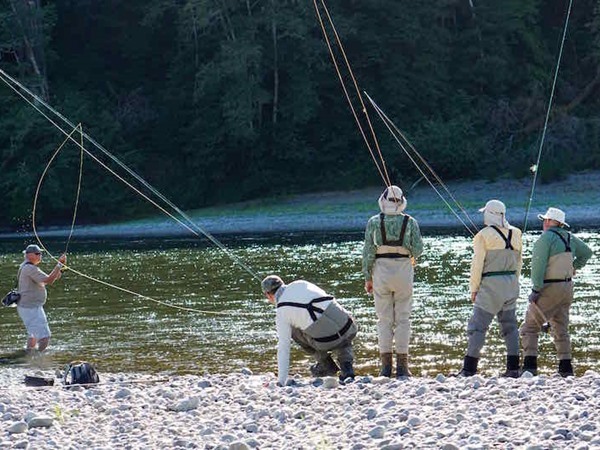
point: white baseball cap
(554, 214)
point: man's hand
(534, 296)
(473, 295)
(369, 286)
(62, 259)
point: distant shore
(578, 195)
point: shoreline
(578, 195)
(242, 411)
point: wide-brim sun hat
(554, 214)
(494, 207)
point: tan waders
(553, 305)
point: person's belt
(337, 335)
(556, 280)
(390, 255)
(499, 273)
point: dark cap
(32, 248)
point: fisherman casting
(317, 322)
(494, 285)
(32, 287)
(392, 242)
(557, 255)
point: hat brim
(543, 217)
(481, 209)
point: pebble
(377, 432)
(40, 422)
(18, 427)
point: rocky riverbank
(246, 411)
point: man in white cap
(314, 320)
(494, 286)
(556, 255)
(392, 244)
(32, 287)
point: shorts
(35, 321)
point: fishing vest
(331, 327)
(392, 249)
(560, 266)
(501, 261)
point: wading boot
(324, 368)
(469, 367)
(530, 365)
(402, 366)
(512, 367)
(346, 371)
(386, 365)
(565, 369)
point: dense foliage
(223, 100)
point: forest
(218, 101)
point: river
(121, 332)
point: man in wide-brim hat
(556, 256)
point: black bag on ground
(12, 298)
(34, 381)
(80, 372)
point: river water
(118, 331)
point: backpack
(80, 372)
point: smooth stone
(414, 421)
(251, 427)
(440, 378)
(238, 445)
(246, 371)
(377, 432)
(371, 413)
(420, 391)
(185, 405)
(40, 422)
(330, 382)
(204, 384)
(392, 446)
(123, 393)
(380, 380)
(449, 446)
(18, 427)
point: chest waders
(555, 301)
(333, 327)
(392, 289)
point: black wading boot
(324, 368)
(530, 365)
(469, 367)
(402, 366)
(565, 369)
(386, 365)
(346, 371)
(512, 367)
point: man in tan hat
(556, 255)
(494, 285)
(32, 287)
(392, 242)
(314, 320)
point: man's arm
(539, 261)
(477, 263)
(582, 252)
(284, 336)
(416, 240)
(368, 254)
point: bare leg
(43, 344)
(31, 344)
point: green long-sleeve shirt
(549, 244)
(393, 226)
